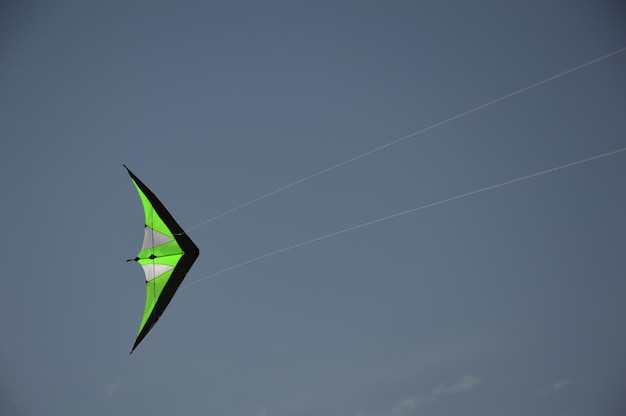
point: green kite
(166, 256)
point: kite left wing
(166, 256)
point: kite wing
(166, 256)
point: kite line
(410, 211)
(414, 134)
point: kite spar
(166, 256)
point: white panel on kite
(154, 238)
(155, 270)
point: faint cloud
(558, 386)
(111, 389)
(440, 389)
(408, 405)
(289, 404)
(462, 384)
(260, 411)
(562, 384)
(405, 406)
(401, 408)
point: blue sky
(507, 301)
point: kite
(166, 256)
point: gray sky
(506, 302)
